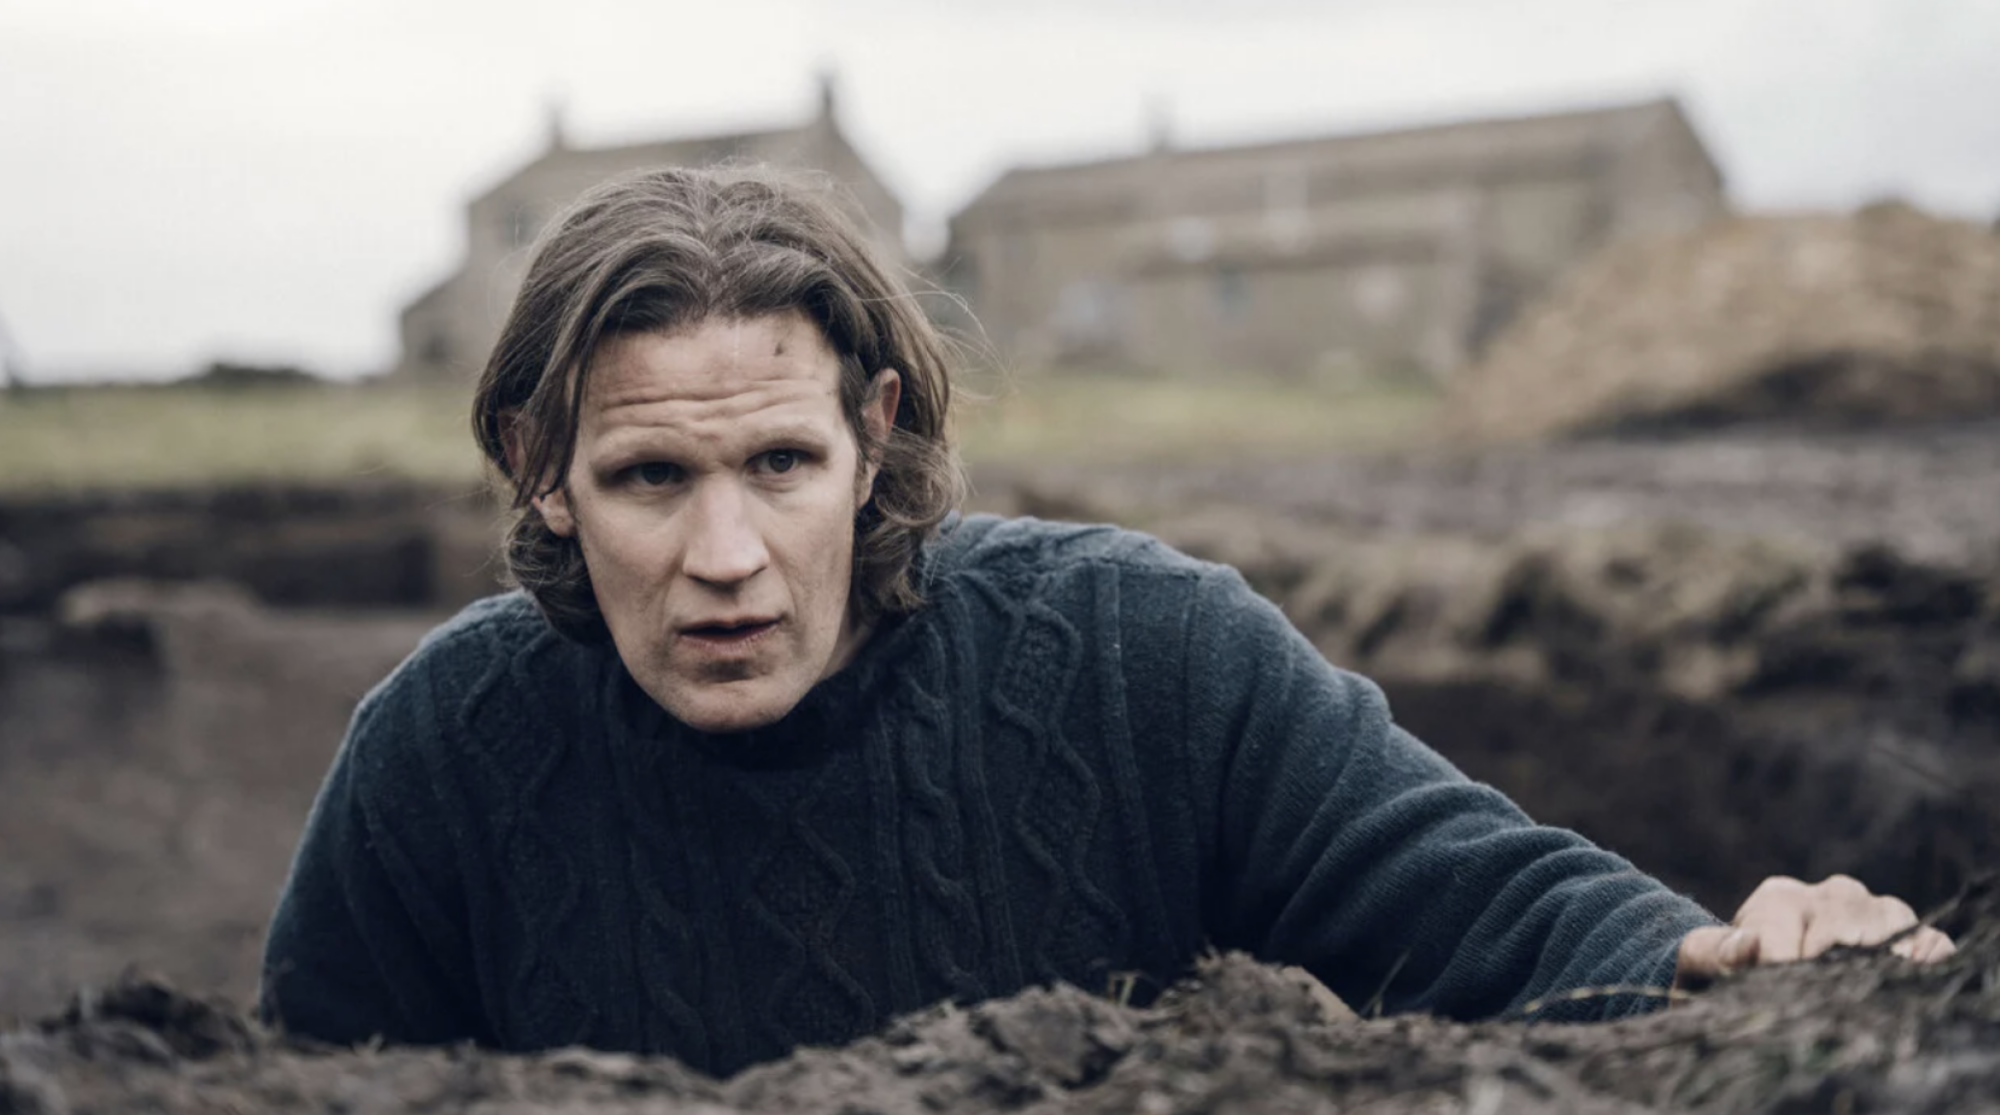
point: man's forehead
(720, 367)
(715, 354)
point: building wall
(1390, 252)
(1303, 316)
(1667, 183)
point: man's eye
(654, 474)
(782, 460)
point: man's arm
(1343, 844)
(367, 940)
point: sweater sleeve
(1343, 844)
(366, 942)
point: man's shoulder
(467, 656)
(493, 624)
(483, 633)
(1029, 550)
(1091, 580)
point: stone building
(1397, 250)
(448, 331)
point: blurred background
(1617, 384)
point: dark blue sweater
(1086, 755)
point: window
(436, 348)
(1230, 291)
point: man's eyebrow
(640, 442)
(806, 432)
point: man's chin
(721, 708)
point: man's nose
(725, 546)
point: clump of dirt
(1855, 1032)
(1887, 315)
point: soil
(380, 544)
(1859, 1032)
(1724, 656)
(153, 780)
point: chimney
(1159, 124)
(552, 110)
(828, 96)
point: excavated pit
(1724, 656)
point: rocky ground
(1724, 656)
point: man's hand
(1785, 919)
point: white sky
(185, 180)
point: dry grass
(161, 437)
(1104, 418)
(155, 437)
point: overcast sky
(269, 180)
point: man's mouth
(727, 633)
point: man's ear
(554, 505)
(878, 415)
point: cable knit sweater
(1085, 755)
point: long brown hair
(667, 249)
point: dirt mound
(1859, 1032)
(1888, 315)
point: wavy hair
(667, 249)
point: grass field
(1185, 418)
(78, 439)
(82, 439)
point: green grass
(107, 438)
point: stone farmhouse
(448, 331)
(1384, 252)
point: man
(772, 747)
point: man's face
(714, 493)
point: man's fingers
(1785, 920)
(1925, 946)
(1709, 954)
(1848, 914)
(1780, 930)
(1892, 916)
(1937, 946)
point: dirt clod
(160, 1016)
